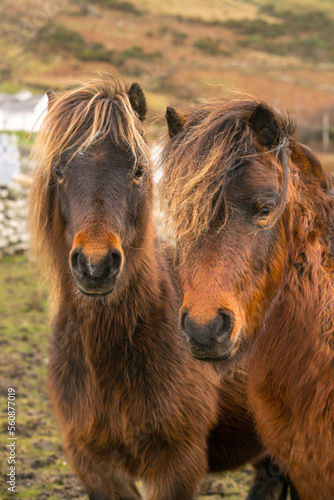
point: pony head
(233, 188)
(90, 199)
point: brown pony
(131, 401)
(252, 213)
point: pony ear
(265, 126)
(138, 100)
(51, 95)
(175, 122)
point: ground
(42, 469)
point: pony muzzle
(96, 272)
(210, 341)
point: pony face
(229, 279)
(100, 201)
(91, 196)
(230, 271)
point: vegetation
(57, 37)
(309, 35)
(24, 335)
(177, 36)
(24, 139)
(136, 53)
(208, 45)
(118, 5)
(179, 51)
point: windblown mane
(74, 120)
(202, 158)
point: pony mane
(203, 158)
(76, 119)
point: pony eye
(265, 211)
(138, 173)
(59, 174)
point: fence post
(325, 131)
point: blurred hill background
(179, 50)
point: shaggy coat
(252, 212)
(131, 401)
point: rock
(14, 235)
(9, 251)
(18, 224)
(15, 191)
(3, 193)
(10, 213)
(19, 247)
(6, 232)
(15, 204)
(23, 180)
(14, 238)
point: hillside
(178, 50)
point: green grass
(24, 139)
(43, 472)
(24, 335)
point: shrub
(256, 27)
(177, 36)
(56, 36)
(208, 45)
(136, 53)
(308, 35)
(117, 5)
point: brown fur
(275, 272)
(131, 401)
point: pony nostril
(75, 259)
(82, 262)
(201, 335)
(116, 261)
(227, 323)
(183, 317)
(79, 262)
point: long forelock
(91, 113)
(203, 158)
(198, 165)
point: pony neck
(299, 325)
(295, 348)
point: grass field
(42, 470)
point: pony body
(255, 243)
(132, 403)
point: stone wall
(13, 216)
